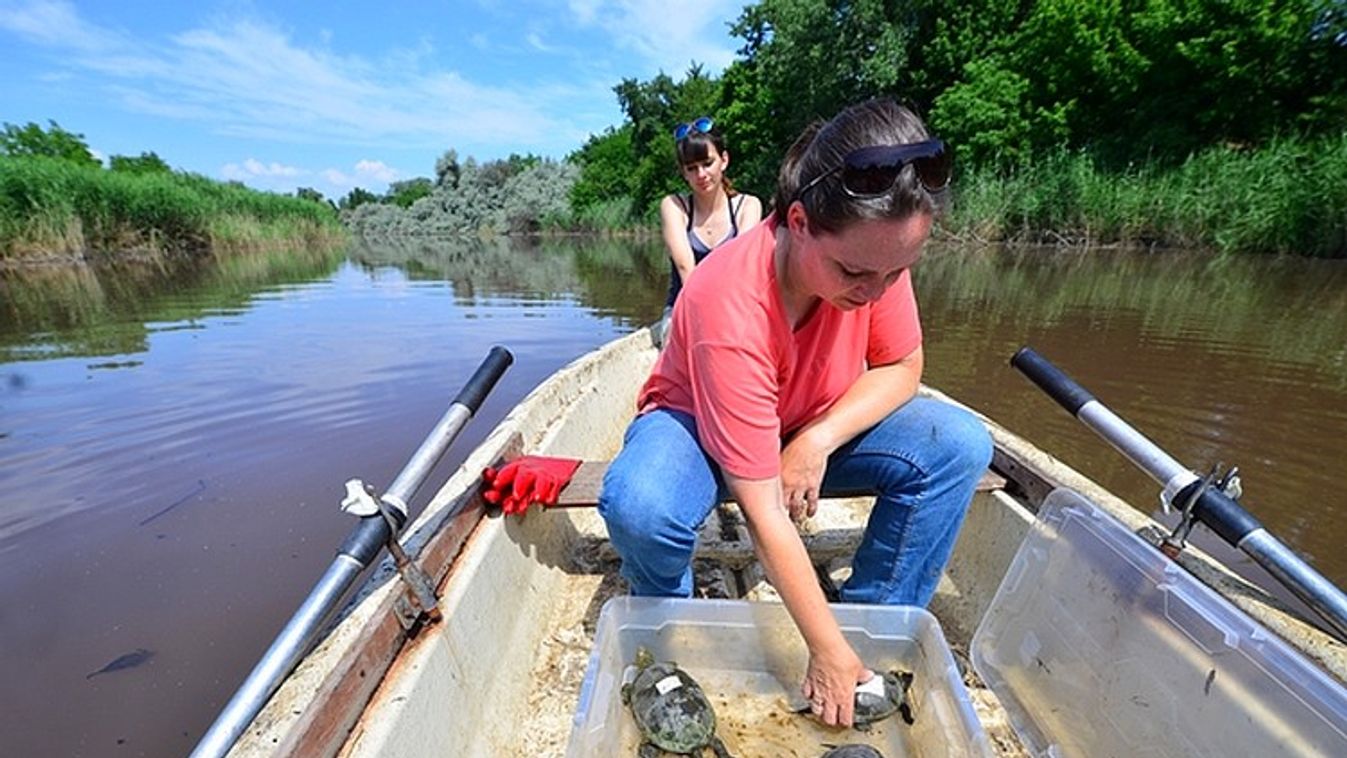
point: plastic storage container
(1099, 645)
(749, 659)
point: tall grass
(1287, 197)
(54, 207)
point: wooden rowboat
(500, 673)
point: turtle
(877, 699)
(851, 751)
(875, 704)
(670, 709)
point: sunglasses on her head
(869, 172)
(701, 125)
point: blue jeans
(923, 462)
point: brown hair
(822, 146)
(696, 147)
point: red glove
(527, 480)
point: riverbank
(1285, 198)
(57, 211)
(1288, 197)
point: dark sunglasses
(702, 125)
(872, 171)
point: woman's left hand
(803, 463)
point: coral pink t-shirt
(732, 361)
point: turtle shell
(853, 751)
(877, 701)
(671, 710)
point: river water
(173, 440)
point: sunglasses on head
(870, 172)
(702, 125)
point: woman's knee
(639, 511)
(966, 444)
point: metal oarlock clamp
(419, 599)
(1228, 483)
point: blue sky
(342, 94)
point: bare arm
(834, 668)
(878, 392)
(673, 223)
(750, 212)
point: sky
(343, 94)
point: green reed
(1286, 197)
(53, 207)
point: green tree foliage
(357, 197)
(1128, 80)
(1134, 80)
(404, 193)
(806, 59)
(311, 194)
(52, 142)
(605, 162)
(145, 163)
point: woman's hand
(830, 684)
(803, 464)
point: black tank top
(699, 248)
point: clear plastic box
(1099, 645)
(749, 659)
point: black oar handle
(1051, 380)
(486, 376)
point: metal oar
(1198, 497)
(380, 522)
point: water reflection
(1237, 361)
(109, 309)
(621, 278)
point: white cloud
(251, 168)
(246, 78)
(375, 170)
(56, 23)
(670, 35)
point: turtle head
(903, 680)
(644, 658)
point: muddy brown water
(173, 440)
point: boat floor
(724, 568)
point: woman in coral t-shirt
(790, 371)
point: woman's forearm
(786, 562)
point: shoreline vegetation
(1190, 124)
(56, 210)
(1286, 198)
(60, 205)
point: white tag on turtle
(873, 687)
(668, 684)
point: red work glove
(527, 480)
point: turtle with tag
(670, 709)
(881, 697)
(876, 699)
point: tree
(310, 194)
(53, 142)
(605, 163)
(404, 193)
(145, 163)
(357, 197)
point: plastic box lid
(749, 659)
(1099, 645)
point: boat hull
(500, 674)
